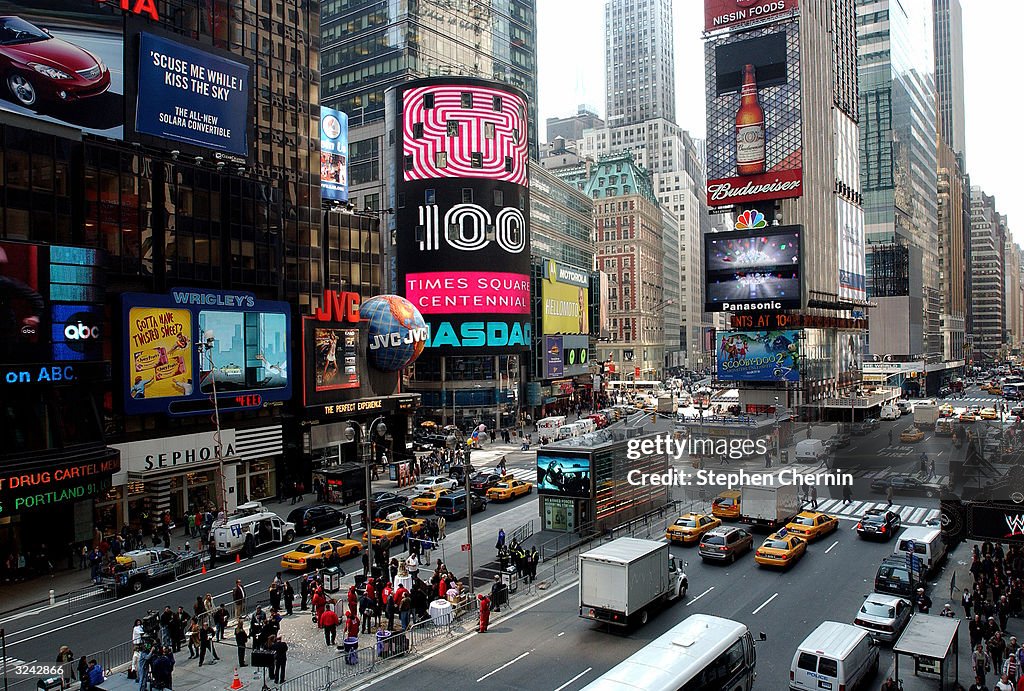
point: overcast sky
(571, 70)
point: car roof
(317, 540)
(724, 530)
(883, 598)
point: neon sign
(146, 7)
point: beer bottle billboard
(749, 127)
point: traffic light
(654, 417)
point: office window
(467, 195)
(489, 130)
(508, 164)
(467, 99)
(453, 128)
(428, 100)
(499, 198)
(429, 197)
(476, 160)
(408, 162)
(441, 159)
(497, 104)
(417, 130)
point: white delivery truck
(549, 426)
(620, 581)
(667, 404)
(925, 416)
(772, 507)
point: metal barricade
(79, 600)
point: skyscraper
(639, 59)
(899, 176)
(988, 290)
(949, 72)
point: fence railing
(522, 533)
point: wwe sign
(1015, 524)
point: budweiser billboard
(754, 147)
(719, 14)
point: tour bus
(702, 653)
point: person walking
(352, 625)
(220, 621)
(485, 612)
(348, 525)
(241, 638)
(814, 497)
(441, 524)
(238, 594)
(280, 650)
(888, 496)
(847, 495)
(193, 640)
(64, 658)
(206, 636)
(501, 539)
(288, 596)
(890, 437)
(329, 623)
(981, 663)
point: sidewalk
(35, 592)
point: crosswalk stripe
(854, 508)
(905, 512)
(932, 515)
(828, 505)
(916, 516)
(877, 473)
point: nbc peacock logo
(750, 220)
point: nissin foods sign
(463, 254)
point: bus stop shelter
(927, 653)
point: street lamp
(206, 347)
(382, 430)
(778, 457)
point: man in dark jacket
(241, 638)
(280, 650)
(206, 635)
(162, 666)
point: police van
(265, 528)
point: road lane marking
(560, 635)
(510, 662)
(574, 679)
(835, 543)
(700, 596)
(764, 604)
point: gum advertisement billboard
(754, 144)
(767, 356)
(160, 352)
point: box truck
(622, 580)
(925, 416)
(771, 507)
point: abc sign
(466, 227)
(81, 332)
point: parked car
(725, 543)
(879, 523)
(39, 67)
(312, 519)
(884, 616)
(483, 481)
(904, 484)
(894, 577)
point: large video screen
(768, 356)
(336, 361)
(63, 62)
(192, 96)
(753, 269)
(333, 154)
(565, 293)
(245, 350)
(567, 476)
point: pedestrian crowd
(996, 595)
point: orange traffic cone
(204, 569)
(238, 558)
(236, 683)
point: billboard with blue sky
(769, 356)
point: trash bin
(50, 683)
(511, 579)
(784, 456)
(351, 648)
(383, 643)
(360, 581)
(332, 579)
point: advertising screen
(850, 227)
(246, 356)
(553, 364)
(565, 295)
(567, 476)
(754, 144)
(462, 193)
(719, 14)
(192, 96)
(62, 62)
(333, 154)
(753, 269)
(575, 355)
(51, 304)
(769, 356)
(996, 523)
(336, 353)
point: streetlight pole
(206, 346)
(368, 520)
(778, 441)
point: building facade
(954, 246)
(628, 227)
(948, 20)
(639, 61)
(988, 285)
(1014, 306)
(571, 128)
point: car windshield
(15, 30)
(502, 485)
(686, 522)
(725, 501)
(306, 548)
(873, 518)
(776, 544)
(804, 520)
(877, 609)
(889, 573)
(714, 540)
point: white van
(906, 407)
(586, 424)
(890, 412)
(811, 451)
(835, 656)
(548, 427)
(265, 527)
(570, 431)
(928, 546)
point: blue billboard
(769, 356)
(333, 155)
(243, 355)
(567, 476)
(192, 96)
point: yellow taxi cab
(967, 416)
(811, 525)
(726, 505)
(995, 390)
(985, 386)
(945, 410)
(690, 527)
(393, 526)
(911, 434)
(427, 502)
(988, 414)
(317, 551)
(509, 489)
(780, 549)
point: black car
(453, 504)
(894, 577)
(481, 482)
(879, 523)
(904, 484)
(459, 472)
(312, 519)
(379, 498)
(382, 511)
